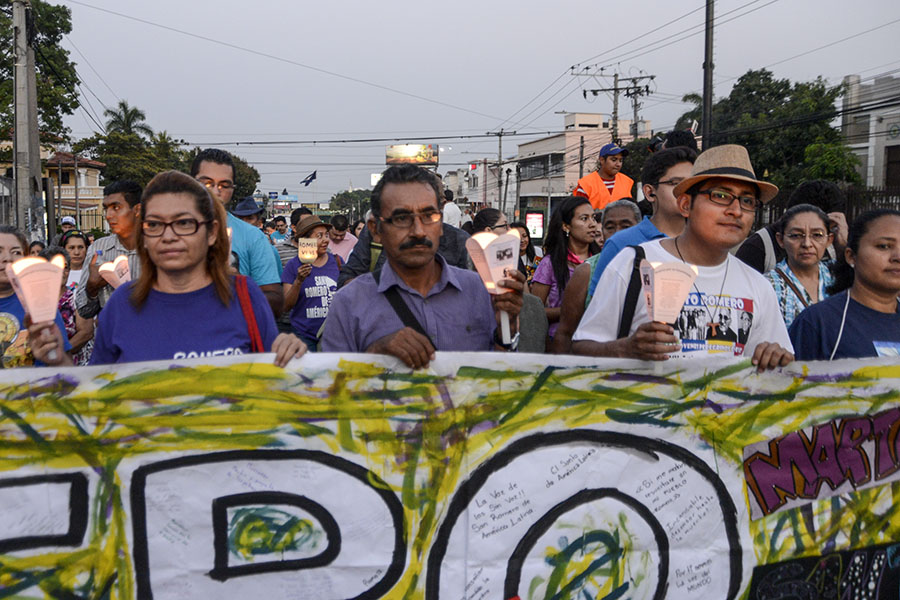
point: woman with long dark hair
(528, 254)
(186, 302)
(861, 319)
(801, 279)
(570, 241)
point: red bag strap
(243, 293)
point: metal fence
(859, 200)
(7, 202)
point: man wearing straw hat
(719, 201)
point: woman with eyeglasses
(862, 317)
(801, 279)
(571, 235)
(79, 330)
(75, 244)
(186, 303)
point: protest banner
(485, 476)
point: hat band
(728, 171)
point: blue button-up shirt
(633, 236)
(456, 313)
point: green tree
(169, 151)
(786, 127)
(638, 151)
(127, 156)
(354, 203)
(55, 72)
(127, 119)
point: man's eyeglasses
(673, 182)
(504, 227)
(723, 198)
(221, 186)
(817, 237)
(180, 227)
(405, 220)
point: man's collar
(390, 278)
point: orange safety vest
(591, 186)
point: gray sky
(478, 62)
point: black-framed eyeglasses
(221, 186)
(181, 227)
(405, 220)
(504, 227)
(673, 182)
(723, 198)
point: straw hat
(308, 223)
(729, 161)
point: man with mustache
(719, 201)
(417, 303)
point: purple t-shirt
(317, 289)
(544, 274)
(456, 313)
(176, 326)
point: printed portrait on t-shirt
(718, 324)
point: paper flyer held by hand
(116, 272)
(38, 284)
(493, 255)
(307, 250)
(666, 286)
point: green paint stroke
(263, 530)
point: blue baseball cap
(247, 207)
(612, 150)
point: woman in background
(801, 279)
(570, 240)
(75, 244)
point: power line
(371, 140)
(286, 60)
(81, 54)
(539, 94)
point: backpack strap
(401, 308)
(770, 258)
(243, 294)
(632, 294)
(800, 296)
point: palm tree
(126, 119)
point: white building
(871, 127)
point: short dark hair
(38, 243)
(486, 217)
(51, 251)
(279, 219)
(340, 222)
(660, 162)
(448, 195)
(213, 155)
(681, 137)
(129, 189)
(298, 213)
(405, 174)
(821, 193)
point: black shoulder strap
(632, 295)
(400, 307)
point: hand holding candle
(494, 257)
(307, 250)
(37, 282)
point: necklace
(713, 324)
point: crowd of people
(207, 282)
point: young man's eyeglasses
(181, 227)
(405, 220)
(723, 198)
(221, 186)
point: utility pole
(706, 128)
(26, 150)
(500, 134)
(633, 89)
(77, 204)
(581, 158)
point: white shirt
(746, 310)
(452, 214)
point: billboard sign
(424, 155)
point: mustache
(413, 242)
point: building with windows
(871, 127)
(76, 188)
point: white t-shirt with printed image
(731, 324)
